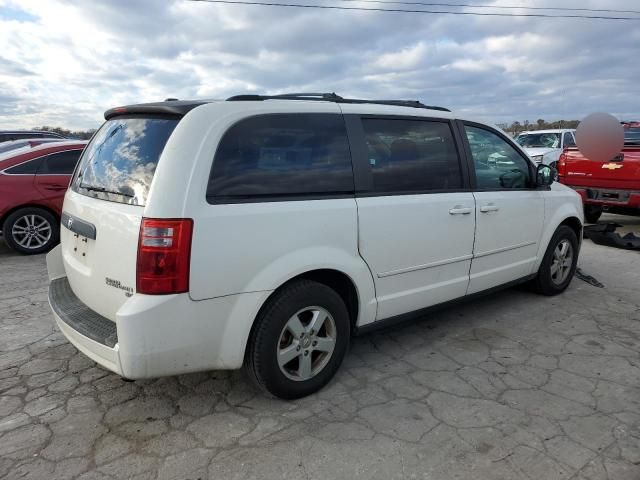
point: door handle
(489, 208)
(460, 210)
(55, 187)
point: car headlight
(537, 158)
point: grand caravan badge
(117, 284)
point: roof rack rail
(333, 97)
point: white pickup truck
(545, 146)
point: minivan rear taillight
(164, 251)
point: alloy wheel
(31, 231)
(562, 262)
(306, 343)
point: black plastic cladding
(332, 97)
(170, 107)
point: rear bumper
(609, 197)
(93, 335)
(103, 355)
(156, 336)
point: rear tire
(592, 213)
(31, 230)
(558, 264)
(299, 340)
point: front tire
(559, 263)
(31, 230)
(299, 340)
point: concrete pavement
(511, 386)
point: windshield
(632, 136)
(119, 163)
(539, 140)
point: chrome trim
(452, 260)
(425, 266)
(503, 249)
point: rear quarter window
(282, 155)
(60, 163)
(29, 167)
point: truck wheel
(31, 230)
(299, 340)
(592, 213)
(559, 263)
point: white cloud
(65, 62)
(405, 59)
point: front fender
(561, 203)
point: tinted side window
(282, 155)
(568, 140)
(411, 155)
(498, 165)
(26, 168)
(61, 163)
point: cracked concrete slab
(511, 386)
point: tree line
(540, 124)
(78, 134)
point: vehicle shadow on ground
(371, 356)
(226, 389)
(4, 250)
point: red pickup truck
(612, 186)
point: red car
(612, 186)
(33, 181)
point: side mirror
(545, 175)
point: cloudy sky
(63, 63)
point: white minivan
(267, 230)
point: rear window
(119, 163)
(282, 155)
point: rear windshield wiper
(93, 188)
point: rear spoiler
(176, 108)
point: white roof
(552, 130)
(316, 106)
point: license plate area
(608, 195)
(83, 233)
(80, 246)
